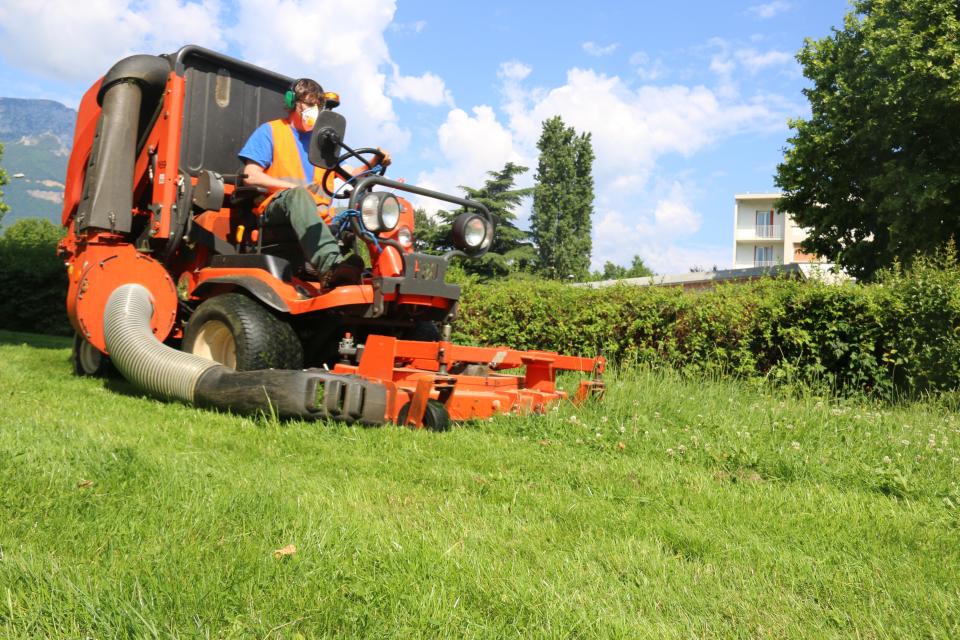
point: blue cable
(343, 218)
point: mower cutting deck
(416, 372)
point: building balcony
(769, 231)
(766, 263)
(760, 233)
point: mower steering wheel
(345, 175)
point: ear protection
(290, 97)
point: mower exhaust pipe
(164, 371)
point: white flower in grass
(670, 452)
(795, 445)
(886, 460)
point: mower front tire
(435, 416)
(87, 359)
(242, 334)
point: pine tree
(512, 250)
(563, 201)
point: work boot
(346, 272)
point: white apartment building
(764, 236)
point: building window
(763, 257)
(767, 226)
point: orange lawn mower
(180, 286)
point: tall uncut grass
(681, 506)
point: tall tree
(512, 249)
(3, 180)
(874, 173)
(563, 201)
(614, 271)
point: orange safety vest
(286, 165)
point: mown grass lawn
(677, 508)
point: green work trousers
(298, 208)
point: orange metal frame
(416, 371)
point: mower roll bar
(371, 181)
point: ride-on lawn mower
(176, 283)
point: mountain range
(36, 137)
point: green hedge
(901, 334)
(33, 281)
(898, 335)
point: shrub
(33, 279)
(899, 335)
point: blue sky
(687, 101)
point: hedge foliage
(900, 335)
(33, 281)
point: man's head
(304, 101)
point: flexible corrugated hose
(139, 356)
(159, 369)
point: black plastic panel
(226, 100)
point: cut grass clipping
(677, 508)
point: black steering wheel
(343, 174)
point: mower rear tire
(87, 359)
(242, 334)
(424, 331)
(435, 417)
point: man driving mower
(275, 157)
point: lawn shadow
(35, 340)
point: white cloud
(770, 9)
(754, 61)
(514, 70)
(427, 88)
(79, 41)
(618, 237)
(648, 69)
(471, 145)
(676, 216)
(408, 27)
(296, 37)
(632, 131)
(594, 49)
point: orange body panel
(87, 116)
(98, 269)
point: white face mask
(309, 117)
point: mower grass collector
(193, 296)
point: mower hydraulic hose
(159, 369)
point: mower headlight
(369, 210)
(380, 211)
(472, 233)
(389, 212)
(405, 237)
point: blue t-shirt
(259, 148)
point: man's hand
(384, 158)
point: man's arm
(385, 161)
(257, 177)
